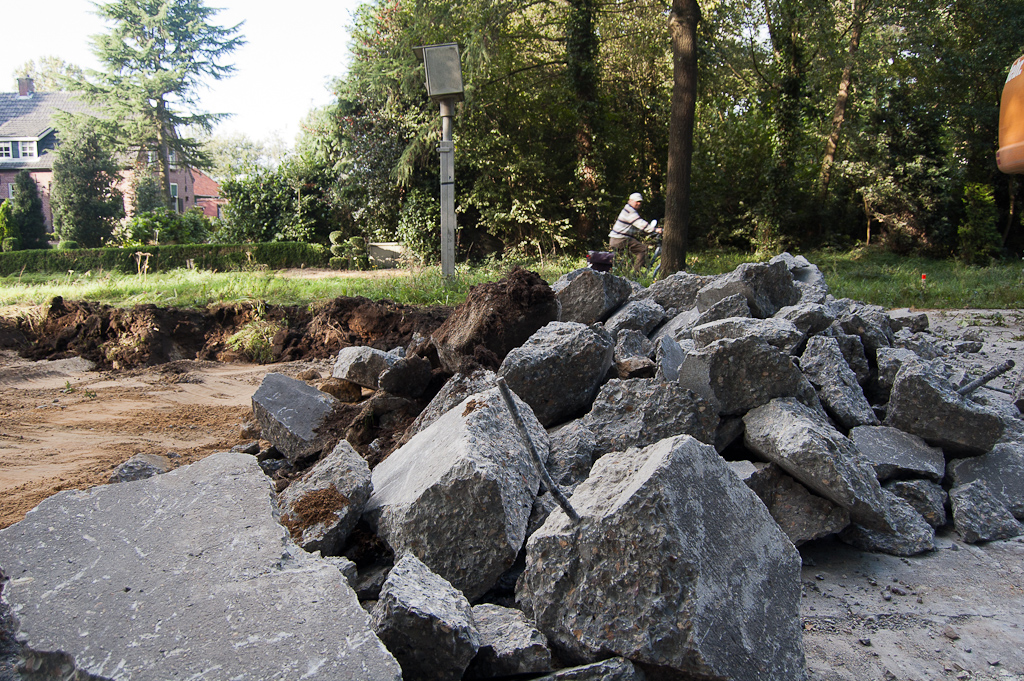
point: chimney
(26, 86)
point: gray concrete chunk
(810, 318)
(979, 515)
(675, 564)
(587, 296)
(910, 535)
(458, 495)
(642, 315)
(744, 373)
(559, 369)
(778, 333)
(614, 669)
(184, 575)
(807, 447)
(925, 404)
(455, 390)
(509, 644)
(362, 365)
(641, 411)
(825, 367)
(730, 306)
(323, 506)
(425, 622)
(896, 454)
(1002, 470)
(678, 290)
(140, 467)
(293, 415)
(926, 497)
(767, 287)
(801, 515)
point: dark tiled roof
(32, 116)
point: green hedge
(219, 257)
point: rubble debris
(910, 534)
(801, 515)
(509, 644)
(140, 467)
(587, 296)
(675, 565)
(767, 288)
(979, 515)
(362, 365)
(211, 523)
(823, 364)
(458, 494)
(926, 497)
(642, 315)
(559, 369)
(896, 454)
(322, 507)
(1002, 470)
(294, 416)
(425, 622)
(803, 443)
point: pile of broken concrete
(701, 429)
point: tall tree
(683, 20)
(155, 58)
(49, 74)
(85, 198)
(27, 212)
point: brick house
(28, 139)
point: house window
(5, 150)
(28, 149)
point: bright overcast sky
(294, 49)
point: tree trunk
(163, 154)
(682, 26)
(839, 112)
(581, 47)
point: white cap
(636, 196)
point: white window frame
(6, 150)
(28, 148)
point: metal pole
(447, 149)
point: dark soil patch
(147, 335)
(314, 508)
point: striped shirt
(629, 224)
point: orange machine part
(1010, 157)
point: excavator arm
(1010, 156)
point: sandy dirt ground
(955, 613)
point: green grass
(868, 275)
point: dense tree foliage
(816, 122)
(85, 199)
(155, 58)
(50, 74)
(27, 212)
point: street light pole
(444, 85)
(448, 223)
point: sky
(294, 49)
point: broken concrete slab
(171, 577)
(678, 290)
(587, 296)
(767, 287)
(825, 367)
(677, 328)
(1002, 469)
(730, 306)
(641, 411)
(632, 343)
(889, 361)
(642, 315)
(871, 324)
(810, 318)
(896, 454)
(458, 495)
(737, 375)
(675, 565)
(668, 356)
(408, 377)
(979, 515)
(140, 467)
(509, 644)
(322, 507)
(806, 446)
(778, 333)
(558, 370)
(455, 390)
(926, 497)
(294, 416)
(853, 351)
(362, 365)
(573, 447)
(801, 515)
(425, 622)
(910, 535)
(925, 404)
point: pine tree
(27, 212)
(86, 201)
(155, 58)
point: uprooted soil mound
(147, 335)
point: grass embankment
(871, 276)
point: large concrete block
(294, 416)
